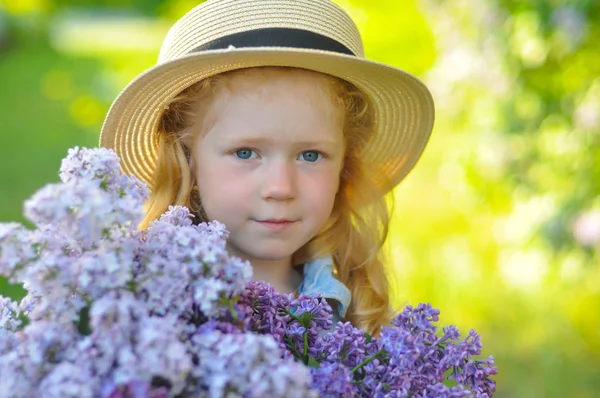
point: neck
(277, 273)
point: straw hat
(223, 35)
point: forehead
(241, 79)
(272, 101)
(271, 83)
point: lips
(277, 220)
(276, 224)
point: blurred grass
(36, 131)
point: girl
(264, 115)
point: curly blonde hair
(358, 225)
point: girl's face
(268, 162)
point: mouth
(276, 221)
(276, 224)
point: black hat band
(276, 37)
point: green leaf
(83, 324)
(104, 184)
(313, 363)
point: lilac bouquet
(115, 312)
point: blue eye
(244, 153)
(311, 156)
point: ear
(192, 166)
(191, 163)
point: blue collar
(319, 279)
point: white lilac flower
(178, 216)
(58, 305)
(117, 310)
(101, 166)
(8, 342)
(185, 265)
(163, 354)
(69, 380)
(82, 210)
(136, 345)
(15, 251)
(9, 313)
(38, 348)
(89, 164)
(111, 265)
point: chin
(272, 256)
(266, 251)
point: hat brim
(404, 110)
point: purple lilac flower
(456, 354)
(247, 365)
(312, 313)
(420, 318)
(334, 380)
(418, 359)
(263, 310)
(476, 374)
(134, 389)
(317, 308)
(295, 323)
(212, 325)
(116, 312)
(296, 330)
(346, 345)
(443, 391)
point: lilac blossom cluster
(408, 359)
(115, 312)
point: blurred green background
(498, 226)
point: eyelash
(320, 154)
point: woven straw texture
(404, 109)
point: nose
(279, 181)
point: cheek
(218, 185)
(322, 191)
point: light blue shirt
(319, 280)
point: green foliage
(486, 225)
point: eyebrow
(307, 143)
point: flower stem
(366, 361)
(306, 346)
(290, 344)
